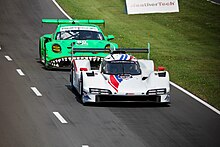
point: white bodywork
(95, 86)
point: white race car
(120, 78)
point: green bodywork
(62, 57)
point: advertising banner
(151, 6)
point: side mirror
(110, 37)
(161, 68)
(83, 69)
(47, 38)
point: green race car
(55, 50)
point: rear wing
(73, 21)
(113, 50)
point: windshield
(122, 67)
(79, 35)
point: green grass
(186, 43)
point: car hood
(66, 46)
(127, 85)
(85, 43)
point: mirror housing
(83, 69)
(161, 68)
(47, 37)
(110, 37)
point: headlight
(151, 92)
(99, 91)
(161, 91)
(156, 91)
(107, 46)
(56, 48)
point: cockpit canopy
(121, 67)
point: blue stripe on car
(119, 79)
(122, 56)
(125, 57)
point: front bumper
(66, 61)
(127, 98)
(113, 98)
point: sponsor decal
(86, 28)
(151, 6)
(81, 42)
(114, 81)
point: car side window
(103, 67)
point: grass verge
(186, 43)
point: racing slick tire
(45, 61)
(81, 88)
(71, 77)
(81, 85)
(40, 56)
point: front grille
(113, 98)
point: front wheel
(40, 56)
(81, 88)
(81, 85)
(45, 60)
(71, 78)
(42, 60)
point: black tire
(81, 88)
(45, 64)
(45, 53)
(81, 85)
(40, 56)
(71, 77)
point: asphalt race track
(28, 120)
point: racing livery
(55, 49)
(120, 78)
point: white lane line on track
(34, 89)
(175, 85)
(20, 72)
(85, 146)
(196, 98)
(61, 119)
(58, 6)
(8, 58)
